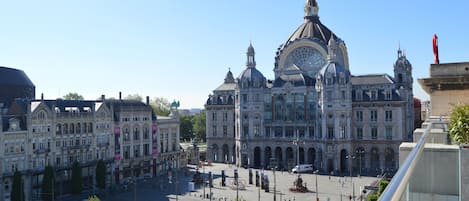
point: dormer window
(374, 94)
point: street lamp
(297, 142)
(275, 184)
(351, 157)
(317, 172)
(360, 153)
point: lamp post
(317, 196)
(275, 184)
(297, 142)
(237, 184)
(203, 176)
(360, 153)
(351, 157)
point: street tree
(73, 96)
(459, 123)
(48, 182)
(101, 174)
(198, 125)
(17, 190)
(161, 106)
(185, 127)
(76, 178)
(134, 97)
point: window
(146, 133)
(225, 116)
(214, 116)
(342, 132)
(388, 95)
(330, 133)
(311, 132)
(225, 131)
(329, 95)
(136, 133)
(146, 149)
(126, 134)
(136, 151)
(126, 152)
(373, 115)
(389, 115)
(267, 131)
(374, 95)
(301, 132)
(359, 116)
(245, 131)
(358, 95)
(256, 130)
(359, 133)
(214, 131)
(343, 94)
(245, 98)
(289, 131)
(388, 133)
(278, 131)
(374, 133)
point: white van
(303, 168)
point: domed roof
(11, 76)
(334, 69)
(251, 74)
(312, 26)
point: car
(303, 168)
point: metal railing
(398, 185)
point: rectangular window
(301, 132)
(359, 133)
(214, 116)
(388, 133)
(311, 132)
(330, 133)
(329, 95)
(126, 152)
(389, 115)
(245, 98)
(245, 131)
(342, 132)
(225, 116)
(359, 116)
(374, 95)
(358, 95)
(373, 115)
(278, 131)
(136, 151)
(343, 94)
(289, 131)
(388, 95)
(256, 130)
(214, 131)
(374, 133)
(267, 131)
(146, 149)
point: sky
(182, 49)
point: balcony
(431, 168)
(42, 150)
(84, 146)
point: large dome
(15, 83)
(311, 28)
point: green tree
(17, 190)
(161, 106)
(459, 124)
(198, 125)
(76, 178)
(372, 197)
(73, 96)
(134, 97)
(48, 182)
(101, 174)
(185, 127)
(382, 185)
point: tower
(403, 83)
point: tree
(459, 124)
(185, 127)
(73, 96)
(17, 190)
(134, 97)
(101, 174)
(76, 178)
(198, 124)
(48, 182)
(161, 106)
(382, 185)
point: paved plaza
(159, 189)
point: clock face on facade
(307, 59)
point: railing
(395, 190)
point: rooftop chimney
(42, 96)
(103, 97)
(120, 95)
(148, 100)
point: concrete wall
(441, 101)
(464, 173)
(437, 172)
(449, 69)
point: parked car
(303, 168)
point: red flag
(435, 49)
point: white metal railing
(398, 185)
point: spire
(399, 51)
(332, 48)
(311, 8)
(251, 62)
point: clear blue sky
(182, 49)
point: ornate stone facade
(314, 111)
